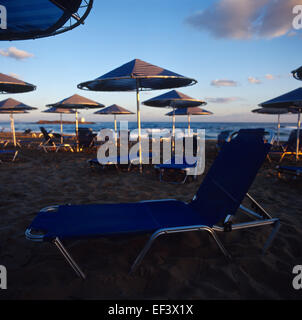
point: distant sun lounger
(50, 144)
(293, 171)
(186, 167)
(211, 210)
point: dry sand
(182, 266)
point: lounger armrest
(33, 237)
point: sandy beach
(182, 266)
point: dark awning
(194, 111)
(292, 99)
(9, 84)
(297, 73)
(76, 102)
(137, 74)
(174, 99)
(41, 18)
(114, 109)
(14, 105)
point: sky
(241, 52)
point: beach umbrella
(192, 111)
(42, 18)
(76, 102)
(12, 106)
(115, 110)
(290, 100)
(61, 111)
(297, 73)
(10, 84)
(176, 100)
(137, 75)
(274, 111)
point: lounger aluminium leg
(158, 233)
(69, 259)
(15, 156)
(271, 237)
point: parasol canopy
(137, 75)
(60, 111)
(274, 111)
(115, 110)
(174, 99)
(194, 111)
(10, 84)
(290, 100)
(76, 102)
(179, 102)
(297, 73)
(42, 18)
(12, 106)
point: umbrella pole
(61, 128)
(139, 126)
(115, 129)
(77, 130)
(12, 124)
(189, 124)
(298, 135)
(278, 130)
(173, 131)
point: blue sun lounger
(118, 160)
(211, 210)
(290, 170)
(186, 167)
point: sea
(212, 129)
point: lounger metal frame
(14, 157)
(263, 218)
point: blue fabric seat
(219, 197)
(114, 219)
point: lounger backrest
(85, 136)
(231, 175)
(46, 135)
(292, 141)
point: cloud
(224, 83)
(246, 19)
(270, 77)
(15, 53)
(223, 100)
(253, 80)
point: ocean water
(212, 128)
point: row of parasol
(137, 76)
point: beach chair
(289, 148)
(8, 155)
(295, 172)
(211, 210)
(185, 167)
(86, 138)
(49, 143)
(118, 161)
